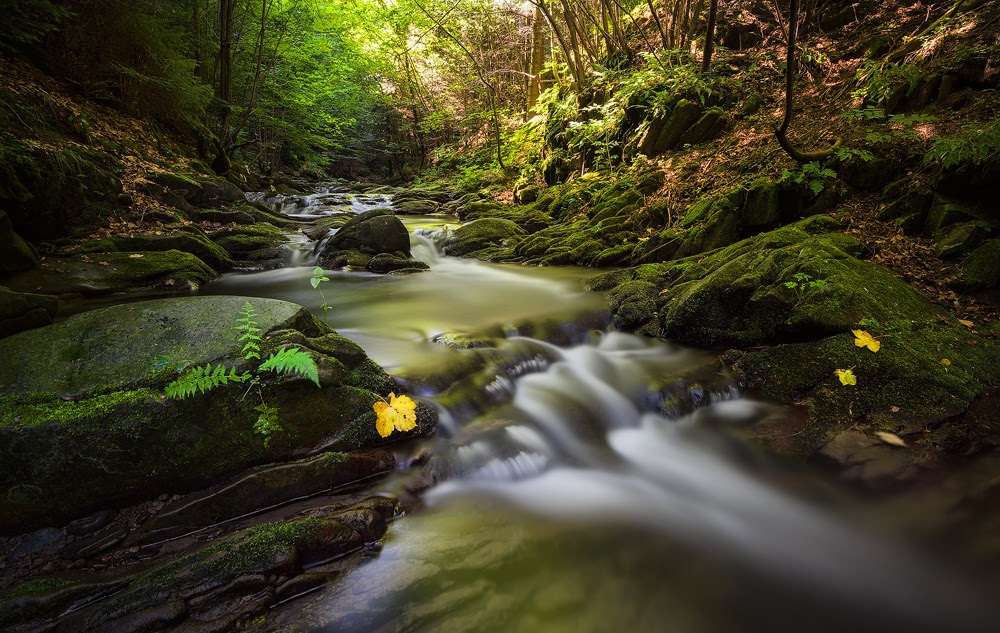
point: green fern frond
(249, 332)
(267, 422)
(292, 360)
(202, 379)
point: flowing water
(584, 480)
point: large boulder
(15, 253)
(188, 240)
(102, 273)
(21, 311)
(480, 234)
(369, 237)
(83, 410)
(786, 303)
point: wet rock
(21, 311)
(369, 233)
(91, 523)
(384, 263)
(36, 542)
(96, 274)
(215, 191)
(196, 243)
(300, 584)
(479, 234)
(15, 253)
(252, 243)
(95, 545)
(867, 460)
(981, 269)
(960, 238)
(947, 211)
(99, 439)
(262, 488)
(416, 207)
(149, 620)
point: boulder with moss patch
(80, 413)
(21, 311)
(364, 236)
(15, 253)
(479, 234)
(788, 301)
(187, 241)
(102, 273)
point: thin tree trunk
(706, 60)
(537, 57)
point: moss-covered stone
(252, 243)
(789, 298)
(981, 269)
(479, 234)
(21, 311)
(196, 243)
(80, 412)
(369, 233)
(384, 263)
(101, 273)
(15, 253)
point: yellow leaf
(399, 414)
(890, 438)
(945, 362)
(136, 255)
(967, 323)
(846, 376)
(864, 339)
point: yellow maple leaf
(864, 339)
(399, 414)
(846, 376)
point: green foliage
(973, 147)
(878, 79)
(28, 21)
(202, 379)
(292, 360)
(804, 281)
(249, 332)
(812, 175)
(318, 277)
(287, 361)
(267, 422)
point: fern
(202, 379)
(267, 421)
(249, 332)
(292, 360)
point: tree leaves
(864, 339)
(846, 376)
(399, 414)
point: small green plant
(974, 146)
(318, 277)
(803, 282)
(204, 378)
(812, 175)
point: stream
(586, 480)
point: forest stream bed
(564, 475)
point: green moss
(35, 586)
(39, 408)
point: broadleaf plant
(287, 361)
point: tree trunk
(537, 57)
(713, 12)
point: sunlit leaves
(864, 339)
(846, 376)
(399, 414)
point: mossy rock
(218, 583)
(23, 311)
(102, 273)
(196, 243)
(476, 209)
(79, 414)
(707, 127)
(384, 263)
(416, 207)
(981, 269)
(685, 114)
(224, 216)
(369, 233)
(252, 243)
(15, 253)
(790, 298)
(478, 234)
(762, 207)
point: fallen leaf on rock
(136, 255)
(894, 409)
(846, 376)
(397, 414)
(966, 323)
(890, 438)
(945, 362)
(864, 339)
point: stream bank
(532, 403)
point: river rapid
(583, 479)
